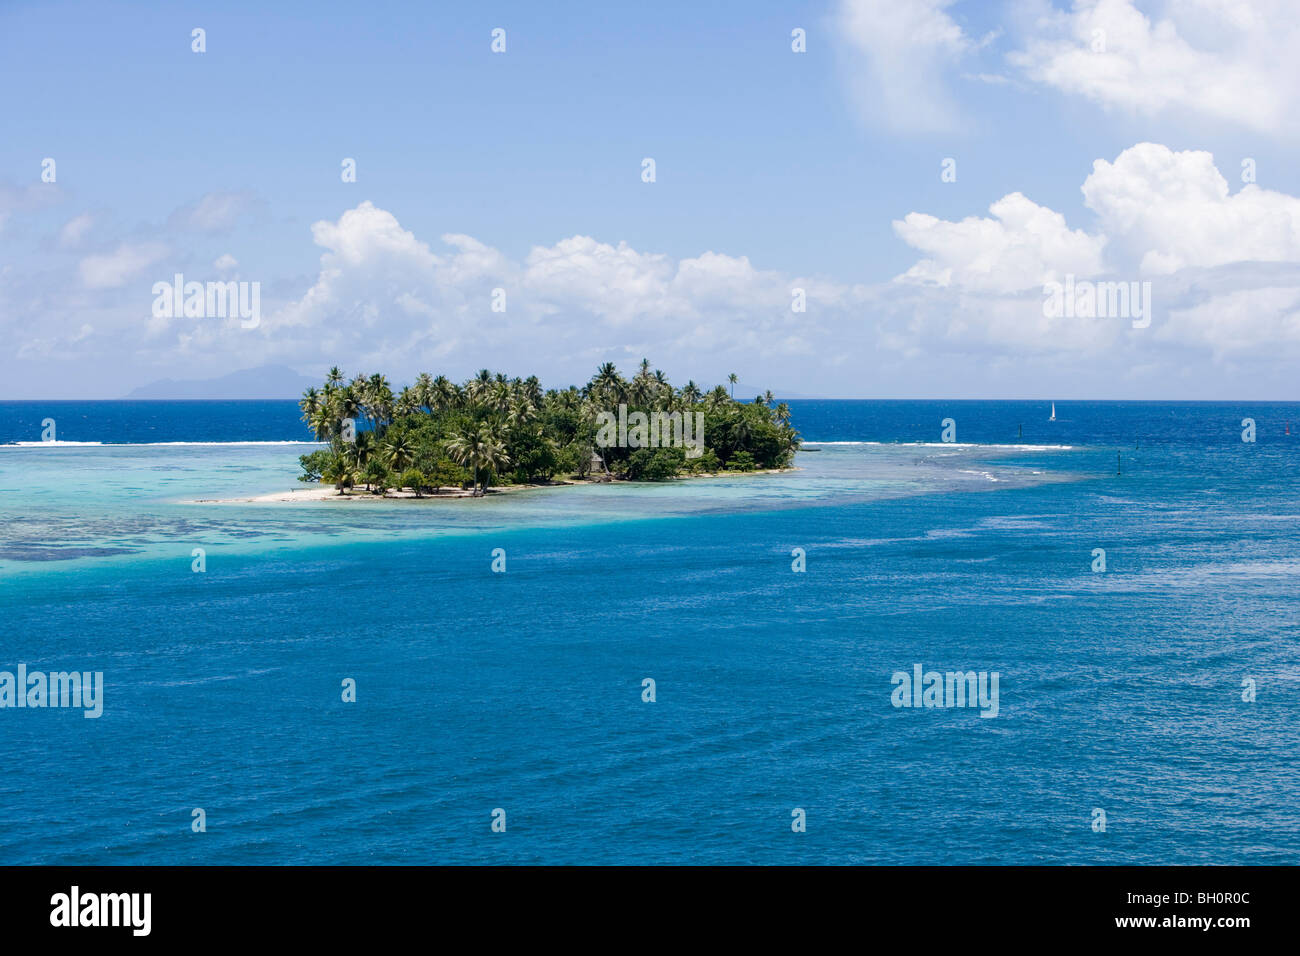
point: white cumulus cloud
(1233, 60)
(1022, 246)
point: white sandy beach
(316, 492)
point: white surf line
(940, 444)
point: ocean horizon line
(777, 397)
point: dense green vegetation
(435, 434)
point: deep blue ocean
(1194, 423)
(1120, 691)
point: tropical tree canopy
(494, 429)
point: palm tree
(498, 397)
(481, 451)
(790, 443)
(323, 424)
(347, 403)
(376, 476)
(606, 383)
(379, 402)
(311, 406)
(476, 386)
(733, 380)
(407, 402)
(492, 459)
(568, 400)
(532, 390)
(398, 453)
(422, 391)
(520, 413)
(361, 448)
(661, 384)
(337, 472)
(442, 394)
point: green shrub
(741, 461)
(445, 473)
(706, 462)
(377, 477)
(314, 464)
(655, 464)
(412, 478)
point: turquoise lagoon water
(1119, 691)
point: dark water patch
(57, 553)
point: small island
(435, 437)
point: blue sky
(774, 170)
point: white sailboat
(1053, 418)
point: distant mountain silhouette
(268, 381)
(280, 381)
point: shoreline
(316, 492)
